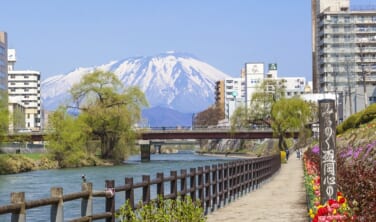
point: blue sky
(55, 37)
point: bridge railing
(215, 186)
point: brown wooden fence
(215, 186)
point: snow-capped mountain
(178, 81)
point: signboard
(273, 66)
(328, 165)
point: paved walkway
(281, 199)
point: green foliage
(355, 120)
(368, 115)
(163, 211)
(239, 118)
(289, 115)
(15, 163)
(4, 114)
(67, 140)
(108, 111)
(267, 93)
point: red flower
(341, 200)
(331, 202)
(322, 211)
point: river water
(37, 184)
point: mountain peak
(171, 79)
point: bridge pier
(158, 148)
(145, 150)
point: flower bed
(332, 210)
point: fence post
(57, 210)
(183, 183)
(174, 184)
(87, 202)
(110, 199)
(160, 185)
(220, 185)
(237, 179)
(129, 194)
(18, 198)
(207, 188)
(192, 181)
(225, 183)
(146, 189)
(230, 181)
(249, 175)
(200, 185)
(214, 186)
(243, 177)
(255, 174)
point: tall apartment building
(233, 95)
(3, 65)
(344, 53)
(24, 89)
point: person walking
(298, 154)
(287, 154)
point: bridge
(146, 136)
(215, 133)
(202, 133)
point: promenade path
(281, 199)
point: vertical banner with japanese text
(328, 164)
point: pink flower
(335, 205)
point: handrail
(215, 186)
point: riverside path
(281, 199)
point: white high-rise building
(234, 95)
(254, 75)
(24, 88)
(344, 53)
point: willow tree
(239, 118)
(289, 115)
(265, 95)
(109, 111)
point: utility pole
(361, 47)
(349, 85)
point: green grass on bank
(33, 156)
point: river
(37, 184)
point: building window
(26, 83)
(12, 76)
(26, 76)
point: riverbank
(20, 163)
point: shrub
(369, 114)
(351, 122)
(163, 210)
